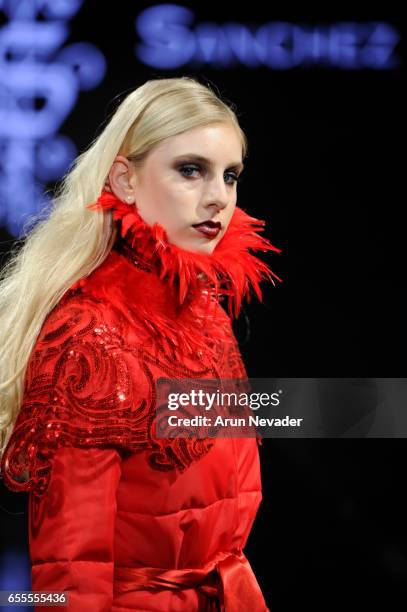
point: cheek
(160, 210)
(176, 221)
(229, 217)
(179, 212)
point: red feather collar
(231, 270)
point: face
(178, 191)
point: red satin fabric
(227, 581)
(117, 536)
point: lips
(209, 223)
(209, 228)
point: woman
(122, 285)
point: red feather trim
(231, 270)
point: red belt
(227, 581)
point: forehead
(217, 143)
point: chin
(197, 246)
(207, 249)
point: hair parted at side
(72, 241)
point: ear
(118, 180)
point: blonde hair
(72, 241)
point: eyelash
(236, 178)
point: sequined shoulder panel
(86, 386)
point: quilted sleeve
(79, 392)
(71, 529)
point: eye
(187, 168)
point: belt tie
(227, 580)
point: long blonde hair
(72, 241)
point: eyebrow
(205, 160)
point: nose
(218, 195)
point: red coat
(118, 518)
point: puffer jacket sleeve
(71, 529)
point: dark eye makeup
(185, 167)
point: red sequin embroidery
(87, 386)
